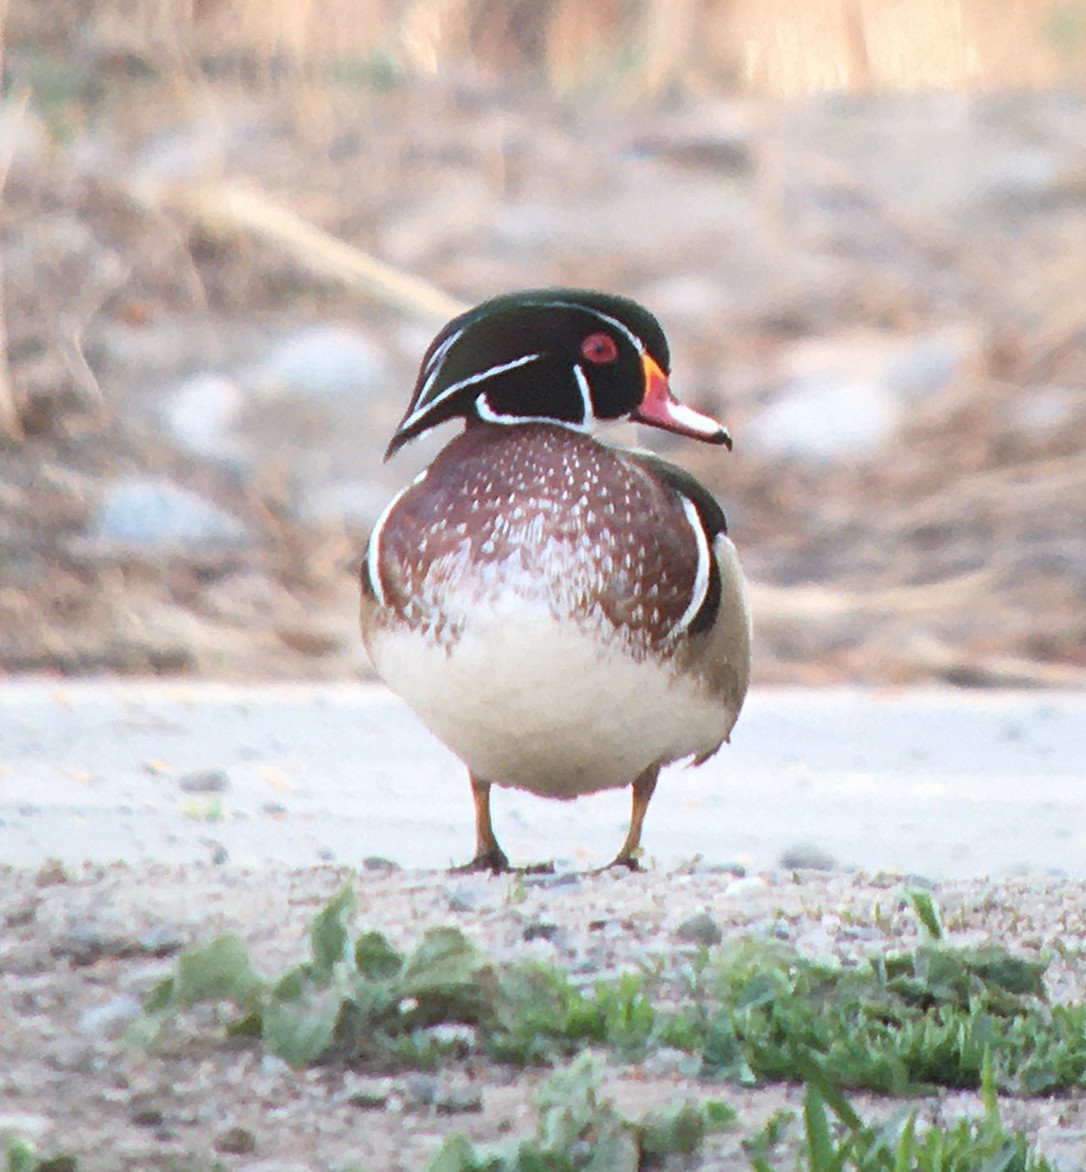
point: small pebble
(380, 865)
(805, 856)
(459, 1101)
(31, 1127)
(541, 930)
(548, 880)
(154, 514)
(160, 940)
(52, 873)
(370, 1097)
(451, 1032)
(780, 930)
(110, 1020)
(470, 895)
(666, 1062)
(205, 781)
(736, 869)
(202, 412)
(236, 1141)
(21, 915)
(271, 1064)
(85, 944)
(57, 1164)
(700, 929)
(420, 1090)
(325, 360)
(745, 886)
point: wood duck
(566, 616)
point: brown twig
(9, 411)
(229, 209)
(992, 671)
(70, 328)
(777, 607)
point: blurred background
(231, 227)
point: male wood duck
(564, 615)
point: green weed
(903, 1021)
(365, 999)
(22, 1156)
(835, 1138)
(541, 1014)
(751, 1010)
(578, 1129)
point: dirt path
(939, 782)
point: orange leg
(643, 789)
(488, 855)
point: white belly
(529, 701)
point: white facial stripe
(425, 408)
(434, 368)
(488, 415)
(638, 345)
(437, 361)
(586, 393)
(373, 552)
(701, 578)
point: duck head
(571, 357)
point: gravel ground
(80, 946)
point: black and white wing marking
(707, 520)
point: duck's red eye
(600, 348)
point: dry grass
(229, 210)
(629, 48)
(968, 519)
(10, 424)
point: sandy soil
(917, 781)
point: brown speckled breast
(552, 517)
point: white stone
(152, 513)
(846, 396)
(326, 360)
(202, 413)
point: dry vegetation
(778, 47)
(961, 558)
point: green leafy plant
(926, 911)
(22, 1156)
(905, 1021)
(836, 1138)
(364, 998)
(541, 1014)
(750, 1010)
(579, 1129)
